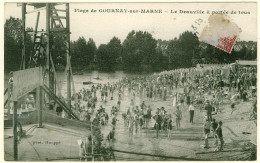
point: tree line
(139, 51)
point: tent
(246, 63)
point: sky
(102, 26)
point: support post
(68, 55)
(9, 100)
(92, 142)
(47, 67)
(39, 105)
(23, 35)
(37, 22)
(15, 131)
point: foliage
(108, 55)
(58, 52)
(91, 50)
(82, 52)
(181, 51)
(13, 44)
(78, 51)
(138, 52)
(139, 48)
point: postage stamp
(220, 32)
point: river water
(90, 76)
(87, 76)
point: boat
(97, 78)
(77, 73)
(87, 82)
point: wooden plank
(37, 5)
(24, 81)
(39, 105)
(6, 101)
(15, 138)
(19, 4)
(6, 90)
(56, 13)
(33, 32)
(55, 10)
(36, 10)
(37, 22)
(58, 17)
(58, 30)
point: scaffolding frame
(54, 25)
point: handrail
(61, 103)
(6, 90)
(6, 101)
(66, 108)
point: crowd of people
(196, 90)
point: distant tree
(13, 44)
(139, 49)
(82, 53)
(254, 54)
(243, 52)
(73, 53)
(13, 27)
(59, 54)
(160, 61)
(12, 53)
(114, 49)
(182, 50)
(78, 53)
(188, 43)
(103, 59)
(107, 55)
(173, 53)
(162, 44)
(91, 51)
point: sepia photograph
(130, 81)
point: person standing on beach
(207, 125)
(169, 125)
(208, 108)
(178, 115)
(158, 121)
(174, 101)
(219, 137)
(191, 110)
(214, 126)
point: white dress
(174, 101)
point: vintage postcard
(129, 81)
